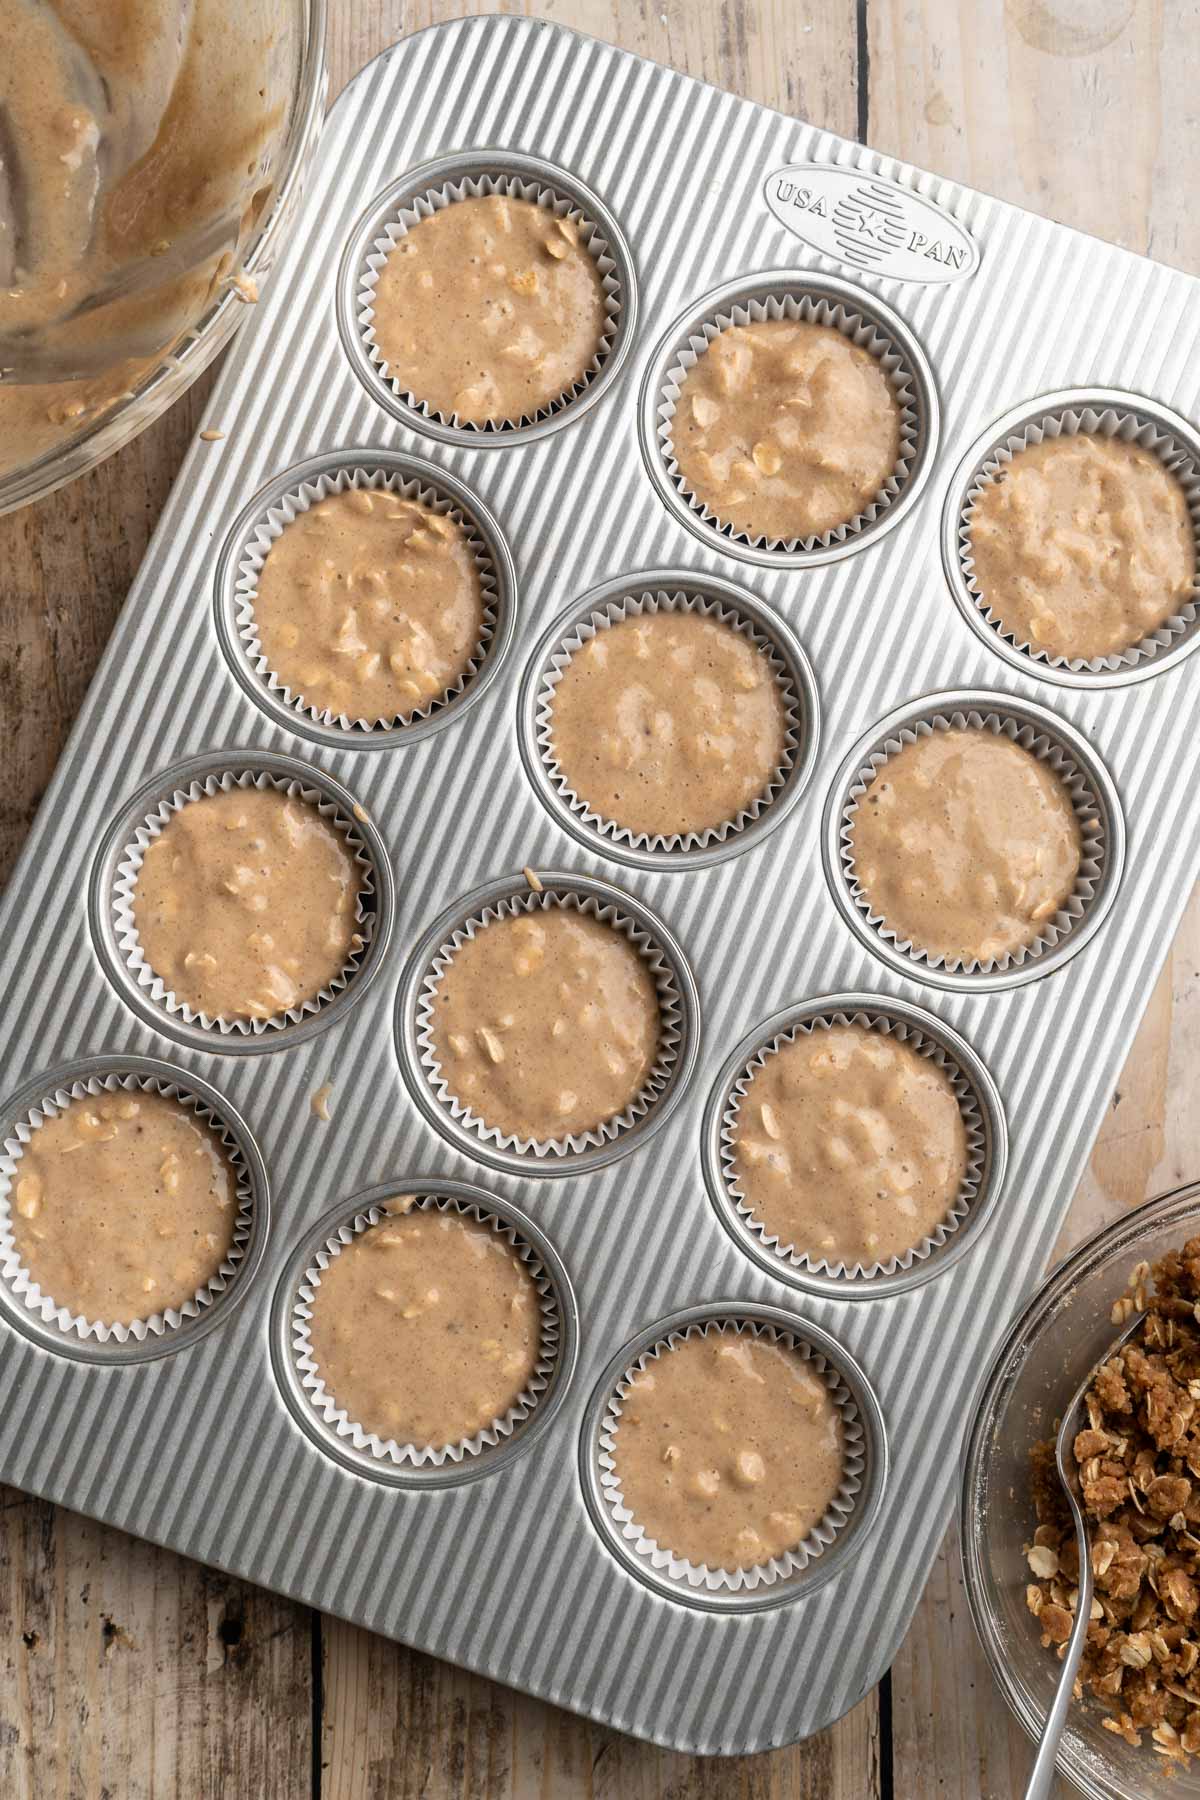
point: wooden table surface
(127, 1673)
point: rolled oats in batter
(668, 723)
(1083, 545)
(546, 1023)
(246, 902)
(123, 1205)
(729, 1449)
(425, 1328)
(785, 430)
(966, 844)
(849, 1145)
(490, 309)
(369, 606)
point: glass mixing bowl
(1064, 1330)
(289, 36)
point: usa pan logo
(874, 225)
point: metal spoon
(1074, 1420)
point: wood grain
(128, 1672)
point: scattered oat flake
(245, 287)
(360, 813)
(532, 877)
(320, 1101)
(212, 435)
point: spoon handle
(1041, 1778)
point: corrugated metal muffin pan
(512, 1561)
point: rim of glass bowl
(177, 370)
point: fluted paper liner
(1084, 800)
(670, 1008)
(542, 192)
(1109, 421)
(814, 308)
(284, 511)
(151, 825)
(638, 604)
(877, 1019)
(756, 1575)
(21, 1282)
(387, 1449)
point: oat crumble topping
(1139, 1463)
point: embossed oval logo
(874, 225)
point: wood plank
(1070, 109)
(402, 1725)
(130, 1673)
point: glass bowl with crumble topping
(1131, 1728)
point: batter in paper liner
(369, 606)
(729, 1449)
(245, 903)
(490, 309)
(849, 1145)
(425, 1328)
(785, 429)
(123, 1205)
(546, 1024)
(1083, 545)
(668, 723)
(966, 844)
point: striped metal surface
(198, 1450)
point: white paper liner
(417, 1455)
(889, 1025)
(636, 605)
(543, 193)
(21, 1282)
(130, 863)
(671, 1027)
(1111, 422)
(817, 309)
(1088, 814)
(283, 512)
(755, 1575)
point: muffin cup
(325, 1403)
(21, 1284)
(905, 1031)
(796, 688)
(1107, 415)
(671, 1023)
(816, 300)
(284, 511)
(1093, 798)
(431, 189)
(130, 862)
(677, 1570)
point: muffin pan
(511, 1560)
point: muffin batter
(425, 1328)
(138, 143)
(546, 1023)
(849, 1145)
(668, 723)
(729, 1449)
(784, 430)
(489, 309)
(1083, 545)
(123, 1205)
(369, 606)
(245, 903)
(965, 844)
